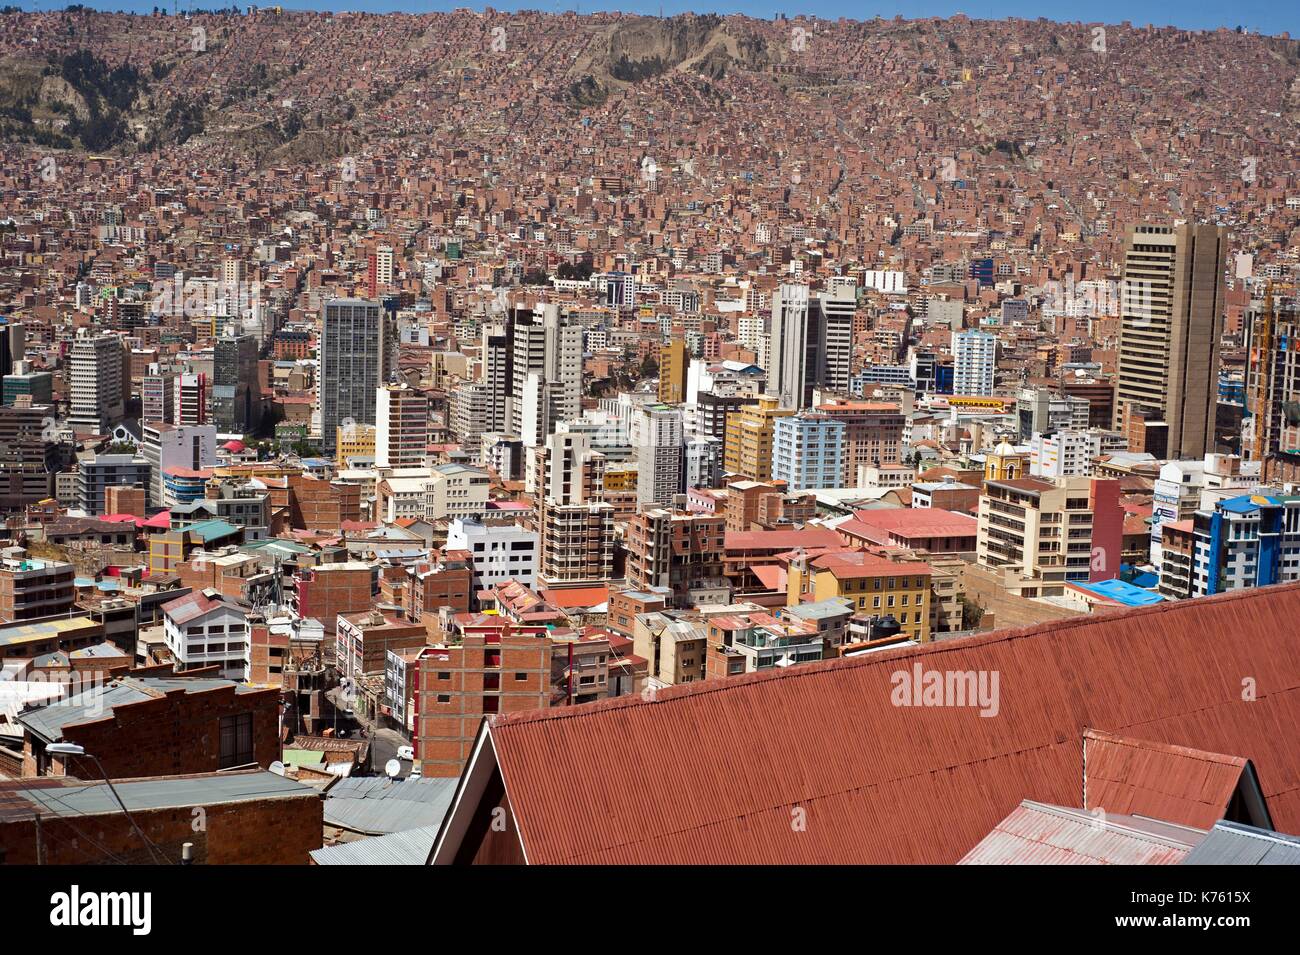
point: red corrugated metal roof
(917, 521)
(573, 597)
(1175, 783)
(771, 576)
(817, 764)
(781, 539)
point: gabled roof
(196, 604)
(685, 775)
(1175, 783)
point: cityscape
(600, 438)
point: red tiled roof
(194, 604)
(1135, 524)
(616, 781)
(122, 519)
(163, 520)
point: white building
(167, 446)
(204, 629)
(1071, 453)
(403, 496)
(808, 451)
(498, 553)
(659, 455)
(549, 352)
(95, 382)
(703, 459)
(974, 362)
(456, 490)
(811, 343)
(1183, 487)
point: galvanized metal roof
(1232, 843)
(163, 792)
(98, 702)
(1036, 834)
(409, 847)
(717, 771)
(377, 805)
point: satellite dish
(392, 769)
(277, 767)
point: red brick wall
(279, 831)
(176, 734)
(331, 592)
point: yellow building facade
(747, 449)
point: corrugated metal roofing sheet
(98, 702)
(1231, 843)
(1035, 834)
(817, 764)
(378, 805)
(1174, 783)
(163, 792)
(410, 847)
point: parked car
(406, 752)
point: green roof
(303, 757)
(211, 530)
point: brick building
(363, 640)
(327, 590)
(155, 726)
(491, 671)
(248, 818)
(31, 588)
(680, 551)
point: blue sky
(1265, 16)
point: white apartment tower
(974, 362)
(547, 373)
(659, 455)
(95, 382)
(811, 343)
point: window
(236, 740)
(521, 677)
